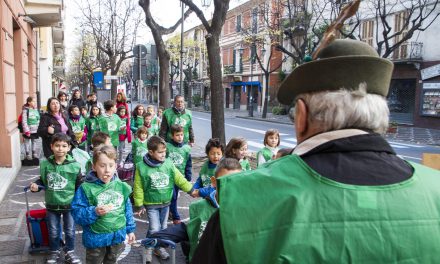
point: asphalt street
(254, 130)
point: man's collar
(320, 139)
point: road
(254, 130)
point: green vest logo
(159, 180)
(180, 121)
(112, 126)
(110, 197)
(205, 180)
(76, 129)
(32, 116)
(202, 228)
(93, 126)
(176, 158)
(56, 182)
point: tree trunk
(217, 91)
(164, 78)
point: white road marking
(397, 146)
(288, 145)
(125, 252)
(28, 179)
(409, 157)
(289, 139)
(407, 145)
(255, 144)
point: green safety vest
(137, 122)
(245, 166)
(267, 154)
(206, 173)
(59, 180)
(33, 117)
(139, 149)
(111, 126)
(92, 126)
(179, 156)
(185, 120)
(307, 218)
(199, 214)
(115, 193)
(78, 129)
(124, 124)
(153, 130)
(157, 183)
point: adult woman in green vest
(177, 115)
(343, 196)
(29, 122)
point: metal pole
(181, 53)
(158, 82)
(251, 105)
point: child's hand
(140, 212)
(131, 238)
(195, 193)
(34, 187)
(103, 209)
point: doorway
(401, 100)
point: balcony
(228, 69)
(45, 13)
(409, 51)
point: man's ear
(213, 182)
(301, 116)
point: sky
(165, 12)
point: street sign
(140, 48)
(430, 72)
(111, 77)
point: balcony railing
(409, 51)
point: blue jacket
(84, 214)
(204, 191)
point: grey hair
(343, 108)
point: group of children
(100, 202)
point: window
(400, 25)
(238, 24)
(254, 20)
(367, 30)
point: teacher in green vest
(177, 115)
(343, 195)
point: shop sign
(430, 72)
(431, 85)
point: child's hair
(71, 109)
(29, 99)
(214, 143)
(61, 94)
(91, 110)
(161, 108)
(269, 133)
(154, 142)
(150, 107)
(120, 108)
(147, 114)
(135, 110)
(141, 130)
(227, 164)
(60, 137)
(82, 108)
(234, 143)
(99, 138)
(176, 128)
(108, 105)
(284, 152)
(109, 151)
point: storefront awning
(244, 84)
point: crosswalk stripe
(289, 139)
(287, 145)
(253, 130)
(407, 145)
(397, 146)
(255, 144)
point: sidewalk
(408, 134)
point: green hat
(343, 63)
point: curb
(264, 120)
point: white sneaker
(149, 255)
(162, 253)
(53, 257)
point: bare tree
(410, 16)
(213, 29)
(113, 25)
(158, 32)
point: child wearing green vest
(180, 154)
(214, 150)
(199, 212)
(153, 188)
(29, 122)
(84, 113)
(137, 118)
(60, 174)
(271, 143)
(237, 149)
(98, 139)
(139, 146)
(110, 123)
(103, 208)
(125, 134)
(152, 127)
(156, 120)
(92, 124)
(79, 127)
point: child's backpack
(20, 121)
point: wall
(46, 63)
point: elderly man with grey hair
(343, 196)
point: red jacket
(127, 115)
